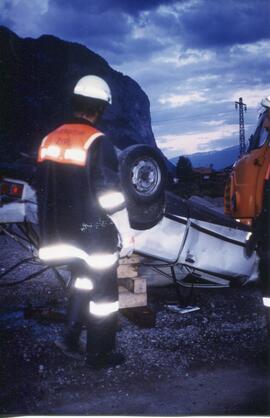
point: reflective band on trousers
(103, 309)
(65, 251)
(266, 302)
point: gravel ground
(211, 362)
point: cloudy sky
(193, 58)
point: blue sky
(193, 58)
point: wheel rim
(146, 176)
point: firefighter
(79, 190)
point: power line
(191, 117)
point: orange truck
(247, 195)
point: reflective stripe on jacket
(68, 144)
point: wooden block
(134, 259)
(125, 270)
(135, 285)
(128, 299)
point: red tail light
(16, 190)
(11, 189)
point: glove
(127, 241)
(128, 244)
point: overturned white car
(189, 243)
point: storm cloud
(193, 58)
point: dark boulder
(37, 77)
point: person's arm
(108, 190)
(104, 176)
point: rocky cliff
(37, 77)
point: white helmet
(94, 87)
(266, 102)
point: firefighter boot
(101, 335)
(70, 345)
(105, 360)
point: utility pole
(242, 107)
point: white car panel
(219, 253)
(22, 209)
(163, 241)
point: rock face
(37, 77)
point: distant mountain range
(219, 159)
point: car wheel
(143, 176)
(143, 173)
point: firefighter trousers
(96, 309)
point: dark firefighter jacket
(68, 207)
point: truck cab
(247, 198)
(244, 191)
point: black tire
(145, 216)
(143, 174)
(145, 200)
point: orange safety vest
(68, 144)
